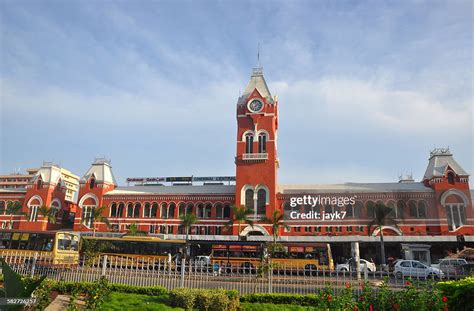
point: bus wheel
(311, 270)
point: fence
(197, 274)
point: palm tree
(277, 222)
(48, 213)
(241, 214)
(13, 208)
(187, 221)
(383, 216)
(98, 216)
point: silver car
(349, 265)
(414, 268)
(452, 267)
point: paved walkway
(61, 303)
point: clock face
(255, 105)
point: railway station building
(435, 215)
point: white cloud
(374, 103)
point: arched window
(249, 198)
(200, 210)
(451, 178)
(219, 211)
(358, 209)
(370, 205)
(401, 205)
(455, 211)
(207, 210)
(87, 215)
(154, 210)
(113, 210)
(226, 211)
(189, 208)
(130, 210)
(262, 143)
(412, 209)
(2, 208)
(136, 211)
(33, 207)
(393, 211)
(171, 210)
(147, 210)
(55, 207)
(249, 143)
(39, 184)
(261, 201)
(92, 183)
(182, 209)
(164, 210)
(349, 211)
(421, 209)
(121, 208)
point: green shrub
(293, 299)
(82, 287)
(459, 294)
(205, 299)
(183, 297)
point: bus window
(64, 242)
(75, 243)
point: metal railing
(246, 278)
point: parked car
(452, 267)
(349, 265)
(415, 268)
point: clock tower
(256, 159)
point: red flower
(348, 285)
(361, 298)
(445, 299)
(355, 308)
(395, 306)
(329, 298)
(408, 283)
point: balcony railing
(255, 156)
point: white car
(452, 266)
(349, 265)
(414, 268)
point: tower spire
(258, 56)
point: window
(349, 228)
(261, 201)
(147, 210)
(456, 216)
(329, 229)
(412, 209)
(421, 209)
(349, 211)
(370, 209)
(164, 211)
(401, 205)
(451, 178)
(182, 209)
(171, 210)
(249, 198)
(226, 211)
(207, 210)
(200, 210)
(154, 210)
(33, 216)
(262, 143)
(87, 215)
(2, 207)
(249, 143)
(92, 183)
(39, 184)
(219, 211)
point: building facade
(436, 212)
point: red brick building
(435, 212)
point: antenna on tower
(258, 55)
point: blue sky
(366, 88)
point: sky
(366, 88)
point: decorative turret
(442, 167)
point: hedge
(293, 299)
(82, 287)
(460, 293)
(205, 299)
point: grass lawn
(122, 301)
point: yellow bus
(136, 251)
(310, 256)
(50, 247)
